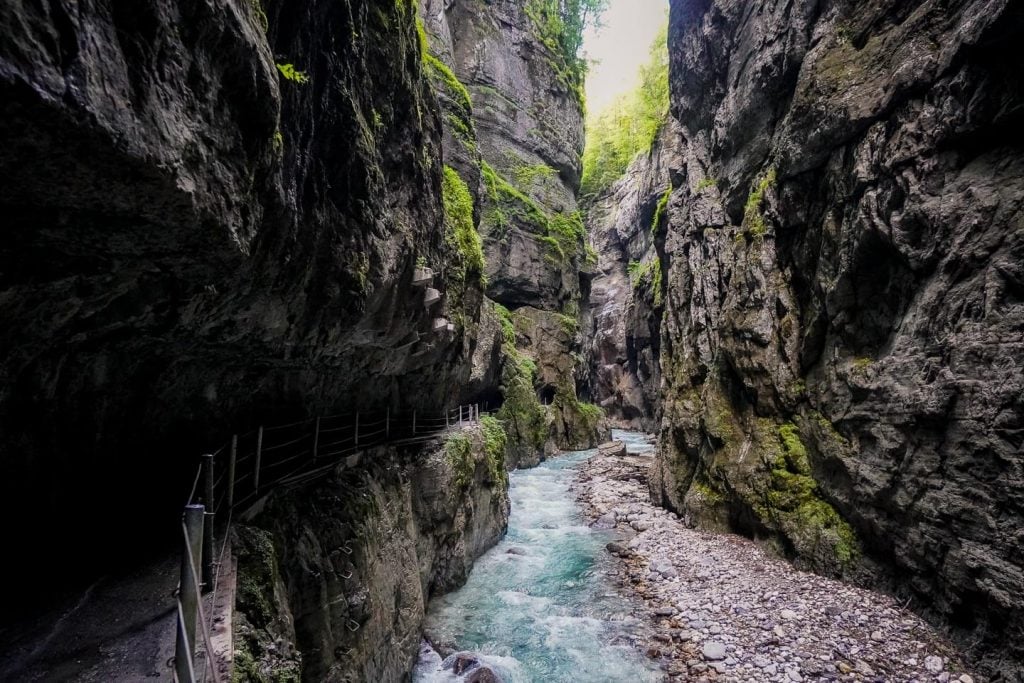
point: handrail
(238, 486)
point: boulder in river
(616, 548)
(483, 674)
(461, 662)
(612, 449)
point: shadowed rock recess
(196, 242)
(844, 317)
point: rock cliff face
(627, 225)
(845, 295)
(213, 215)
(514, 128)
(334, 582)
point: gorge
(794, 254)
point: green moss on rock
(458, 449)
(794, 502)
(752, 216)
(460, 231)
(495, 440)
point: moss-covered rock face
(841, 337)
(539, 386)
(759, 479)
(513, 133)
(264, 630)
(366, 548)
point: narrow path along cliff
(724, 609)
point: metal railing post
(460, 416)
(414, 422)
(387, 423)
(356, 441)
(232, 461)
(259, 456)
(316, 440)
(188, 591)
(183, 669)
(207, 563)
(446, 425)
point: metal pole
(231, 471)
(207, 564)
(316, 440)
(460, 416)
(357, 429)
(387, 423)
(188, 592)
(446, 425)
(183, 670)
(259, 456)
(414, 422)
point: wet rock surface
(197, 244)
(724, 609)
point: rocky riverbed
(726, 610)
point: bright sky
(620, 47)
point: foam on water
(548, 614)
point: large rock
(365, 548)
(844, 316)
(514, 131)
(612, 449)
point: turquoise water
(546, 611)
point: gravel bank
(726, 610)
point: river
(538, 606)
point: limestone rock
(842, 334)
(612, 448)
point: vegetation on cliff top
(559, 25)
(629, 126)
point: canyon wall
(214, 211)
(627, 226)
(844, 316)
(514, 128)
(333, 581)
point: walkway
(122, 628)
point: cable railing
(233, 481)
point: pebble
(713, 650)
(730, 611)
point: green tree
(629, 125)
